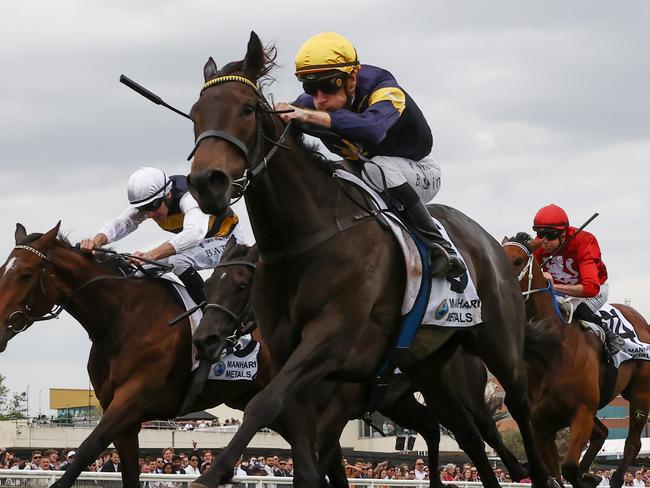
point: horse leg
(117, 418)
(310, 363)
(452, 413)
(511, 373)
(491, 435)
(407, 412)
(545, 441)
(639, 398)
(580, 431)
(596, 441)
(127, 445)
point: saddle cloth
(454, 303)
(238, 362)
(615, 321)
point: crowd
(196, 461)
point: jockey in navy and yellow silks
(366, 107)
(199, 239)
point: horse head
(228, 292)
(27, 291)
(227, 127)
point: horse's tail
(542, 343)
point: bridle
(53, 313)
(241, 319)
(60, 303)
(254, 166)
(528, 269)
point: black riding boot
(613, 341)
(444, 260)
(194, 285)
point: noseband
(528, 269)
(253, 169)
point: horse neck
(294, 197)
(72, 271)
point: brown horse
(139, 366)
(329, 287)
(461, 381)
(567, 393)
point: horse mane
(523, 238)
(238, 251)
(264, 80)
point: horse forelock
(236, 252)
(522, 238)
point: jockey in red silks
(577, 271)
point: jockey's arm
(570, 290)
(195, 225)
(116, 229)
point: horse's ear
(20, 233)
(255, 58)
(504, 240)
(52, 233)
(210, 69)
(253, 254)
(232, 242)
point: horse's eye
(243, 286)
(248, 109)
(518, 262)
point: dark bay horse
(568, 392)
(139, 366)
(461, 381)
(330, 282)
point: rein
(528, 269)
(56, 309)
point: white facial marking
(11, 264)
(223, 275)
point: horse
(139, 366)
(567, 392)
(330, 281)
(461, 380)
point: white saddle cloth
(446, 307)
(237, 363)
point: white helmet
(146, 185)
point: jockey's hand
(298, 113)
(548, 276)
(87, 245)
(139, 254)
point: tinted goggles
(329, 85)
(152, 206)
(549, 234)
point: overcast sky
(529, 103)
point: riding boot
(194, 285)
(613, 341)
(444, 260)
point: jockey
(365, 105)
(199, 240)
(577, 271)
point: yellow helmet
(326, 51)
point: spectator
(68, 460)
(269, 465)
(206, 466)
(193, 467)
(113, 465)
(185, 461)
(53, 454)
(177, 465)
(499, 474)
(421, 474)
(168, 454)
(628, 479)
(289, 467)
(475, 476)
(46, 465)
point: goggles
(328, 85)
(548, 234)
(152, 206)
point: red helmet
(551, 216)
